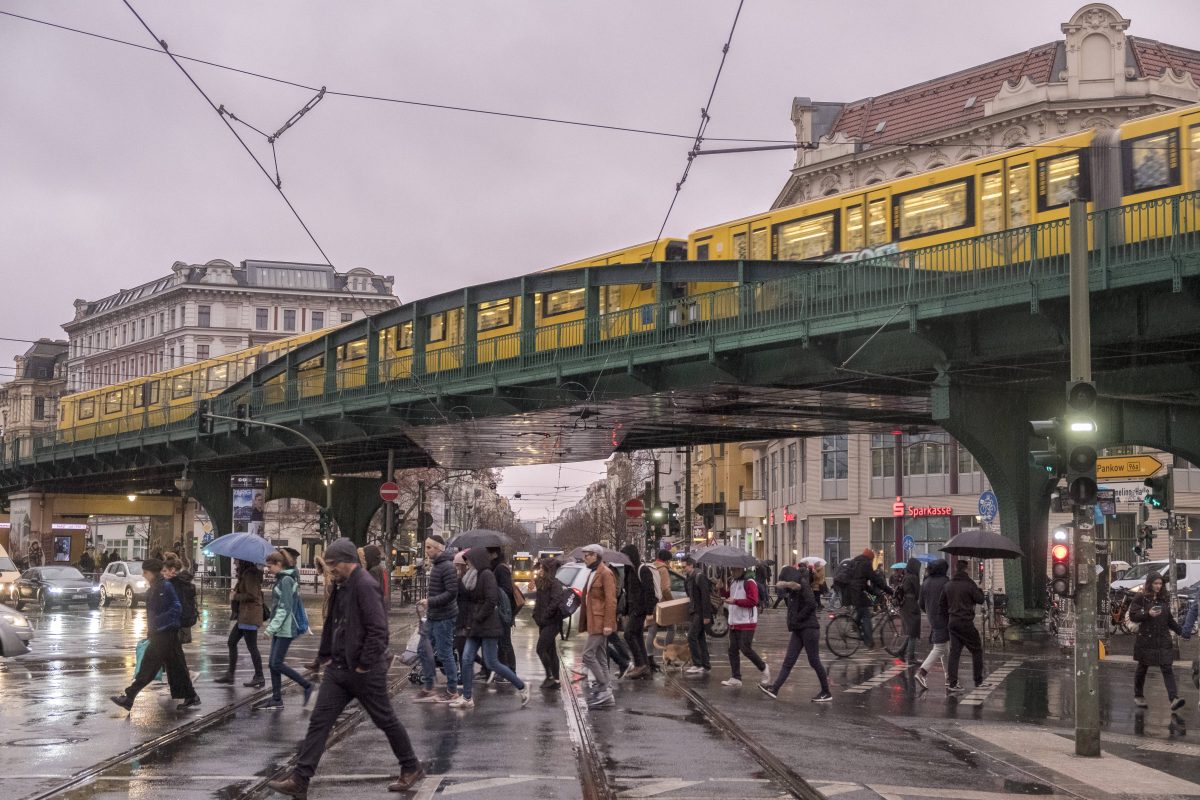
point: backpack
(299, 615)
(187, 600)
(843, 575)
(653, 581)
(505, 608)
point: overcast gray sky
(113, 167)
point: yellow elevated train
(920, 220)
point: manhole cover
(48, 741)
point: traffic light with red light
(1060, 562)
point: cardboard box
(671, 612)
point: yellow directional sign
(1114, 467)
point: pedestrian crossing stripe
(878, 680)
(980, 693)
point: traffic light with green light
(1162, 491)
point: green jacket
(283, 595)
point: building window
(925, 454)
(201, 352)
(204, 316)
(774, 476)
(39, 408)
(834, 457)
(262, 318)
(966, 462)
(151, 325)
(837, 541)
(883, 456)
(289, 319)
(318, 320)
(347, 316)
(792, 454)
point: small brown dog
(677, 656)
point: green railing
(986, 271)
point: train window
(810, 237)
(437, 327)
(877, 224)
(1194, 154)
(1018, 196)
(991, 203)
(562, 302)
(856, 233)
(87, 408)
(741, 245)
(352, 351)
(406, 339)
(1062, 179)
(216, 378)
(922, 212)
(760, 244)
(146, 394)
(112, 402)
(181, 386)
(1150, 162)
(702, 252)
(495, 314)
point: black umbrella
(609, 557)
(724, 555)
(980, 543)
(480, 537)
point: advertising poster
(249, 501)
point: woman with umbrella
(741, 596)
(246, 611)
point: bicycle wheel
(841, 636)
(887, 629)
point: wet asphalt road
(881, 737)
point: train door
(1189, 205)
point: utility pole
(687, 501)
(657, 503)
(389, 512)
(1082, 491)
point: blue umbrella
(900, 565)
(242, 546)
(926, 558)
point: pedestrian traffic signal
(1080, 434)
(1162, 491)
(242, 412)
(204, 423)
(1052, 459)
(1060, 562)
(325, 523)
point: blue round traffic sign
(908, 542)
(989, 506)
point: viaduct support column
(994, 427)
(355, 500)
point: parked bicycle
(843, 634)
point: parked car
(50, 586)
(123, 579)
(18, 623)
(1187, 575)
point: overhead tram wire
(698, 139)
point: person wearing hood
(598, 618)
(440, 609)
(482, 627)
(640, 587)
(372, 559)
(795, 587)
(909, 597)
(548, 615)
(283, 627)
(930, 601)
(958, 602)
(1154, 648)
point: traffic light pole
(1087, 666)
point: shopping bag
(412, 650)
(137, 664)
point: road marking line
(878, 680)
(980, 693)
(657, 788)
(900, 792)
(429, 787)
(834, 789)
(487, 783)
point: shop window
(808, 238)
(933, 210)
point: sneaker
(769, 691)
(1178, 703)
(407, 780)
(491, 678)
(191, 702)
(602, 699)
(954, 688)
(464, 703)
(447, 696)
(922, 679)
(766, 674)
(123, 700)
(524, 695)
(1140, 702)
(693, 670)
(308, 690)
(732, 682)
(426, 696)
(270, 704)
(823, 697)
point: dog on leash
(676, 656)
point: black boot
(257, 682)
(226, 678)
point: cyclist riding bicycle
(863, 580)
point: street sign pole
(1087, 660)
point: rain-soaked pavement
(671, 737)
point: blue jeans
(279, 648)
(441, 635)
(491, 660)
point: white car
(19, 625)
(123, 579)
(1187, 576)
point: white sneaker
(465, 703)
(524, 695)
(732, 682)
(766, 674)
(693, 670)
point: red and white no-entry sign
(634, 508)
(388, 492)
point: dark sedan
(50, 586)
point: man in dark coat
(441, 615)
(795, 588)
(163, 610)
(700, 611)
(354, 641)
(641, 599)
(958, 602)
(930, 602)
(1153, 647)
(504, 580)
(909, 596)
(864, 578)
